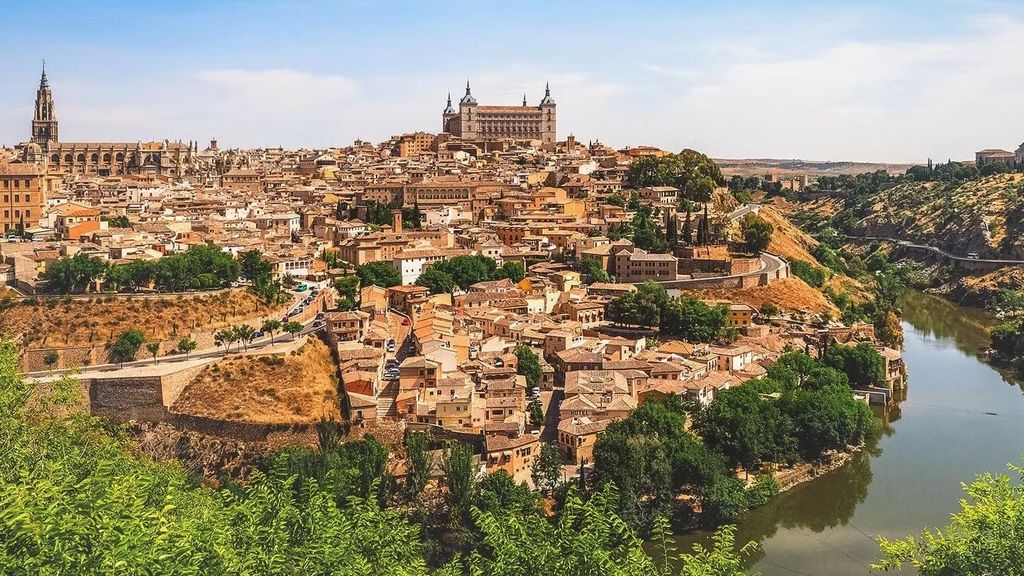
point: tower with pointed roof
(44, 121)
(448, 116)
(468, 121)
(548, 117)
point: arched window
(106, 157)
(55, 158)
(120, 157)
(95, 157)
(67, 158)
(80, 158)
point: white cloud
(857, 100)
(269, 106)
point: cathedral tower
(44, 123)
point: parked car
(405, 321)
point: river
(961, 418)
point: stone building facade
(475, 123)
(101, 158)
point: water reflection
(908, 478)
(968, 328)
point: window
(28, 197)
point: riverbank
(961, 417)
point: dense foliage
(198, 268)
(380, 273)
(74, 499)
(528, 365)
(802, 410)
(682, 317)
(693, 173)
(757, 232)
(983, 538)
(809, 273)
(464, 271)
(594, 271)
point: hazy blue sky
(851, 80)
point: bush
(809, 273)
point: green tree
(528, 365)
(347, 288)
(514, 271)
(616, 199)
(293, 328)
(888, 329)
(127, 346)
(224, 338)
(459, 478)
(757, 232)
(419, 465)
(437, 280)
(382, 274)
(186, 345)
(243, 334)
(153, 348)
(271, 326)
(594, 271)
(863, 365)
(73, 275)
(119, 222)
(982, 538)
(51, 359)
(547, 468)
(809, 273)
(536, 411)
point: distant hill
(796, 167)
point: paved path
(744, 210)
(207, 354)
(938, 251)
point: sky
(880, 81)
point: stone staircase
(386, 400)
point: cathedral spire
(44, 84)
(524, 99)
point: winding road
(939, 251)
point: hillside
(788, 241)
(984, 216)
(796, 167)
(99, 320)
(791, 294)
(300, 388)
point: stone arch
(80, 158)
(120, 157)
(106, 157)
(68, 158)
(55, 158)
(94, 158)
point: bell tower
(44, 122)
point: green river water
(961, 417)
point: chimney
(396, 220)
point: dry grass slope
(792, 294)
(72, 322)
(300, 388)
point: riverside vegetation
(75, 499)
